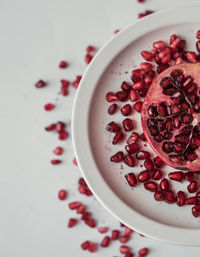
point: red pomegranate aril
(172, 38)
(143, 138)
(194, 200)
(55, 162)
(113, 127)
(129, 160)
(85, 245)
(138, 72)
(142, 155)
(143, 176)
(198, 34)
(132, 148)
(160, 196)
(118, 157)
(90, 49)
(115, 234)
(198, 194)
(129, 254)
(192, 57)
(91, 223)
(63, 64)
(81, 209)
(82, 182)
(132, 138)
(64, 87)
(122, 96)
(60, 126)
(148, 56)
(51, 127)
(176, 43)
(181, 198)
(103, 230)
(196, 210)
(138, 85)
(58, 150)
(159, 45)
(92, 247)
(126, 110)
(146, 66)
(157, 174)
(192, 187)
(164, 184)
(151, 186)
(148, 164)
(88, 58)
(49, 107)
(177, 175)
(143, 252)
(105, 241)
(72, 222)
(77, 81)
(170, 197)
(86, 216)
(75, 162)
(63, 135)
(124, 249)
(131, 179)
(133, 96)
(189, 176)
(40, 84)
(124, 239)
(118, 138)
(111, 97)
(138, 106)
(74, 205)
(198, 46)
(62, 195)
(125, 86)
(112, 109)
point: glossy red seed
(164, 184)
(129, 254)
(192, 200)
(181, 198)
(58, 150)
(62, 194)
(72, 222)
(129, 160)
(196, 211)
(192, 57)
(146, 66)
(63, 135)
(102, 230)
(192, 187)
(60, 126)
(143, 252)
(86, 216)
(115, 234)
(63, 64)
(125, 86)
(143, 138)
(81, 209)
(142, 155)
(113, 127)
(122, 96)
(143, 176)
(132, 148)
(124, 239)
(148, 164)
(92, 247)
(105, 242)
(118, 138)
(40, 84)
(170, 197)
(91, 223)
(124, 249)
(160, 196)
(85, 245)
(138, 85)
(128, 124)
(198, 34)
(112, 109)
(111, 97)
(158, 162)
(128, 231)
(75, 162)
(189, 176)
(138, 106)
(90, 49)
(76, 82)
(118, 157)
(132, 138)
(198, 194)
(148, 56)
(177, 175)
(159, 45)
(157, 174)
(131, 179)
(151, 186)
(74, 205)
(88, 58)
(49, 107)
(133, 96)
(51, 127)
(55, 162)
(126, 110)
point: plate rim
(80, 125)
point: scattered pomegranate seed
(55, 162)
(60, 126)
(75, 162)
(90, 49)
(131, 179)
(92, 247)
(49, 107)
(112, 109)
(40, 84)
(118, 157)
(105, 242)
(51, 127)
(76, 82)
(111, 97)
(143, 252)
(74, 205)
(103, 230)
(88, 58)
(124, 238)
(164, 184)
(177, 175)
(124, 249)
(72, 222)
(181, 198)
(196, 211)
(91, 223)
(148, 56)
(116, 31)
(138, 106)
(58, 150)
(62, 194)
(115, 234)
(85, 245)
(192, 200)
(151, 186)
(63, 64)
(63, 135)
(148, 164)
(192, 187)
(65, 87)
(158, 162)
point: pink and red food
(169, 82)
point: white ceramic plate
(92, 143)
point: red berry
(72, 222)
(63, 64)
(49, 107)
(58, 150)
(62, 194)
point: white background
(35, 36)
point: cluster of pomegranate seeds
(83, 187)
(147, 12)
(63, 64)
(90, 50)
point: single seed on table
(62, 194)
(115, 234)
(72, 222)
(131, 179)
(63, 64)
(40, 84)
(105, 242)
(49, 107)
(55, 162)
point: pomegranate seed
(143, 176)
(142, 155)
(40, 84)
(51, 127)
(81, 209)
(148, 56)
(88, 58)
(177, 175)
(55, 162)
(116, 31)
(62, 194)
(118, 157)
(146, 66)
(86, 216)
(111, 97)
(143, 138)
(129, 254)
(138, 106)
(76, 82)
(63, 64)
(196, 211)
(198, 34)
(113, 127)
(85, 245)
(90, 49)
(192, 187)
(133, 138)
(138, 85)
(64, 87)
(198, 45)
(128, 231)
(128, 124)
(143, 252)
(176, 43)
(181, 198)
(122, 96)
(74, 205)
(126, 110)
(115, 234)
(124, 249)
(112, 109)
(164, 184)
(172, 38)
(119, 136)
(58, 150)
(103, 230)
(132, 148)
(105, 242)
(72, 222)
(192, 57)
(141, 15)
(189, 176)
(151, 186)
(170, 197)
(131, 179)
(198, 194)
(92, 247)
(192, 200)
(125, 86)
(49, 107)
(138, 72)
(91, 223)
(159, 45)
(75, 162)
(129, 160)
(160, 196)
(63, 135)
(133, 96)
(60, 126)
(124, 239)
(148, 164)
(157, 174)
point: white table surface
(35, 36)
